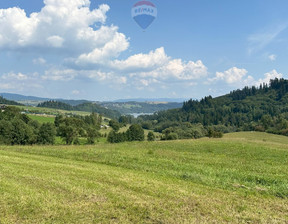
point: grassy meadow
(241, 178)
(50, 111)
(42, 119)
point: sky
(94, 50)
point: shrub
(151, 136)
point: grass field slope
(241, 178)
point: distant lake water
(138, 114)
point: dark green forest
(263, 108)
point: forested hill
(88, 107)
(8, 102)
(263, 108)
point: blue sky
(93, 49)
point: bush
(46, 135)
(151, 136)
(114, 137)
(214, 134)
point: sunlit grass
(42, 119)
(242, 178)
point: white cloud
(150, 61)
(268, 76)
(55, 41)
(65, 24)
(272, 57)
(238, 77)
(19, 81)
(157, 64)
(59, 75)
(69, 27)
(111, 49)
(232, 75)
(39, 61)
(185, 71)
(14, 76)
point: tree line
(263, 108)
(18, 129)
(86, 106)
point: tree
(68, 133)
(46, 135)
(135, 133)
(115, 125)
(114, 137)
(5, 132)
(58, 120)
(151, 136)
(92, 134)
(21, 133)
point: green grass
(242, 178)
(50, 111)
(42, 119)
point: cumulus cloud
(65, 24)
(185, 71)
(89, 49)
(238, 77)
(150, 61)
(19, 81)
(157, 64)
(232, 75)
(268, 76)
(111, 49)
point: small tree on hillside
(68, 133)
(46, 135)
(135, 133)
(92, 134)
(115, 125)
(151, 136)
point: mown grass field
(242, 178)
(51, 111)
(42, 119)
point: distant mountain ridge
(8, 102)
(143, 100)
(18, 97)
(124, 106)
(34, 100)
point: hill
(263, 108)
(241, 178)
(8, 102)
(34, 100)
(144, 100)
(132, 107)
(87, 107)
(124, 106)
(18, 97)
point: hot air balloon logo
(144, 13)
